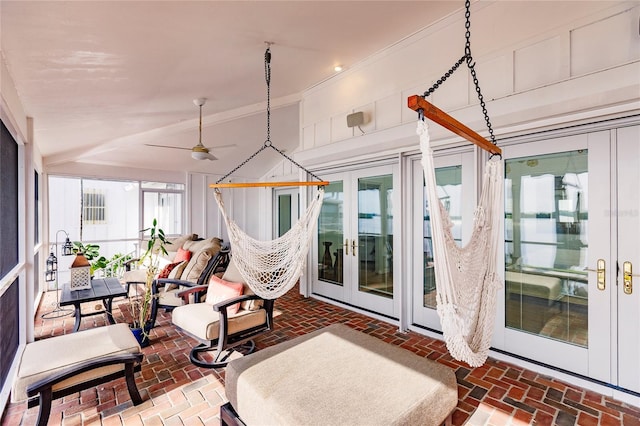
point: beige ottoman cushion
(339, 376)
(46, 357)
(543, 287)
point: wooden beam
(265, 184)
(434, 113)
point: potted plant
(140, 305)
(92, 253)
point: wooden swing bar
(434, 113)
(265, 184)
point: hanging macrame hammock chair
(466, 280)
(271, 268)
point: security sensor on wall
(355, 120)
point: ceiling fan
(198, 152)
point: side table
(104, 289)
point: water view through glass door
(374, 247)
(354, 245)
(546, 241)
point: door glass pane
(284, 214)
(546, 224)
(449, 186)
(331, 235)
(375, 235)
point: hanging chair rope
(270, 268)
(267, 143)
(466, 280)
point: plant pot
(142, 338)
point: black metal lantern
(51, 274)
(52, 268)
(67, 248)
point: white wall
(564, 58)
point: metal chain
(444, 77)
(267, 142)
(267, 78)
(294, 162)
(263, 147)
(471, 65)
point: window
(36, 204)
(164, 202)
(9, 291)
(94, 206)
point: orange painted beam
(265, 184)
(434, 113)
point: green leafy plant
(92, 253)
(117, 262)
(141, 303)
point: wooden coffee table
(103, 289)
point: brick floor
(175, 392)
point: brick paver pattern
(177, 393)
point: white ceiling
(102, 78)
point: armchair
(166, 290)
(217, 325)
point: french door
(455, 184)
(354, 244)
(571, 240)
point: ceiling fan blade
(233, 145)
(165, 146)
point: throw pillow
(175, 274)
(232, 274)
(164, 272)
(182, 255)
(220, 290)
(195, 266)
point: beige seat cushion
(177, 243)
(201, 321)
(339, 376)
(202, 251)
(45, 357)
(196, 246)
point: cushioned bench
(59, 366)
(337, 376)
(531, 299)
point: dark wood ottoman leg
(229, 417)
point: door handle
(627, 277)
(600, 270)
(346, 247)
(353, 247)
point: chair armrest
(48, 382)
(127, 264)
(184, 294)
(226, 303)
(182, 283)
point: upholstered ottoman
(338, 376)
(531, 299)
(58, 366)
